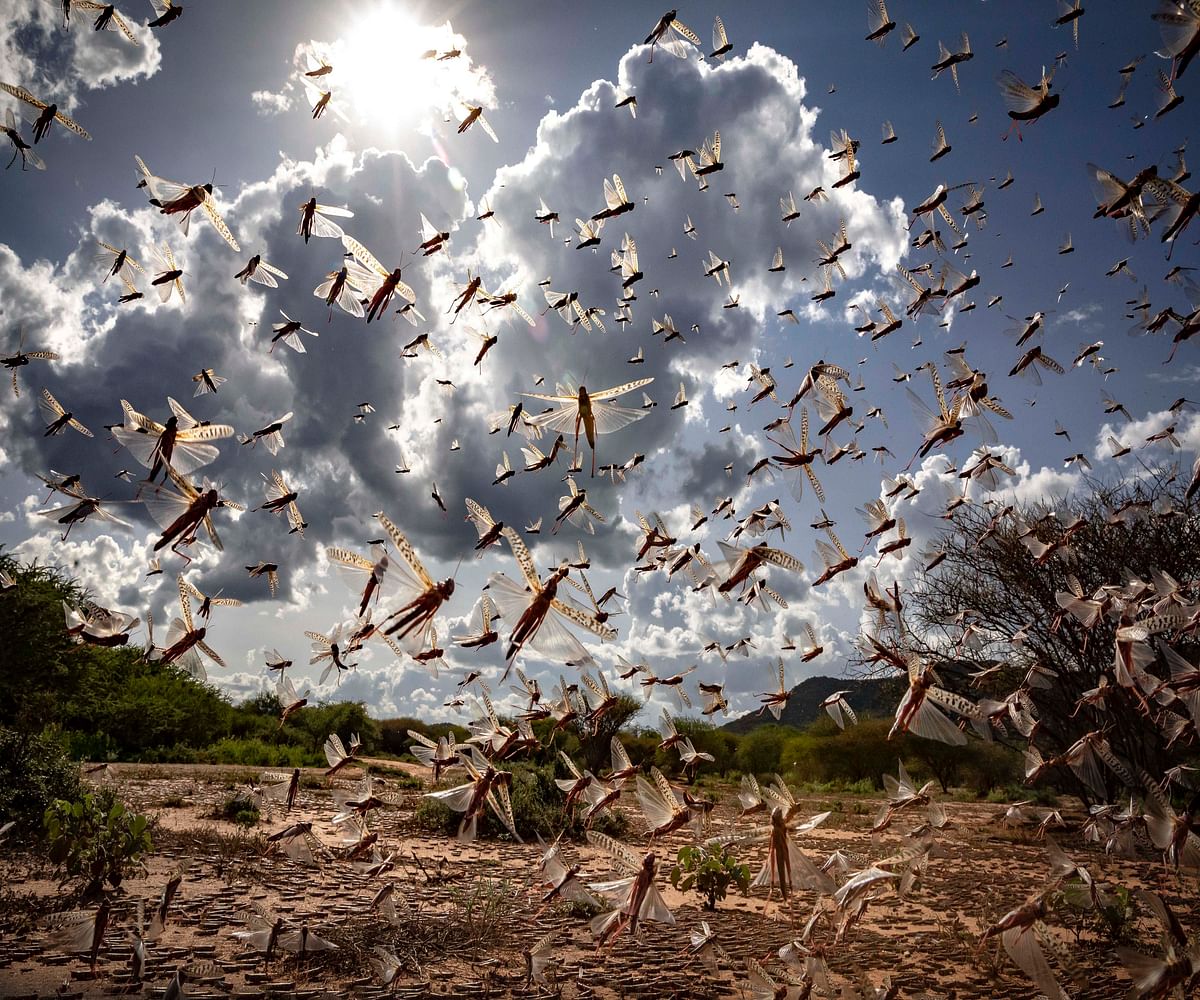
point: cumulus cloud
(104, 564)
(336, 463)
(1080, 315)
(1155, 440)
(343, 469)
(57, 63)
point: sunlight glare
(385, 77)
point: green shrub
(434, 816)
(864, 786)
(641, 748)
(1021, 793)
(255, 752)
(760, 750)
(89, 745)
(396, 779)
(34, 772)
(709, 870)
(175, 754)
(237, 808)
(394, 738)
(706, 738)
(478, 918)
(537, 810)
(96, 838)
(990, 765)
(826, 754)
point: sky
(216, 96)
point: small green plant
(1116, 913)
(96, 838)
(709, 872)
(1085, 909)
(237, 808)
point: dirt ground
(468, 911)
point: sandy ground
(469, 910)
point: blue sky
(185, 100)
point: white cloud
(267, 102)
(103, 564)
(1135, 435)
(1079, 315)
(57, 63)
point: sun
(389, 73)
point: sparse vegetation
(1017, 793)
(236, 854)
(480, 908)
(108, 704)
(111, 706)
(1116, 913)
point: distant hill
(866, 697)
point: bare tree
(1062, 623)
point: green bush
(258, 753)
(864, 786)
(1041, 795)
(990, 765)
(594, 746)
(826, 754)
(709, 870)
(394, 738)
(397, 780)
(1116, 909)
(174, 754)
(34, 772)
(641, 748)
(706, 738)
(760, 750)
(89, 745)
(237, 808)
(434, 816)
(96, 838)
(537, 809)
